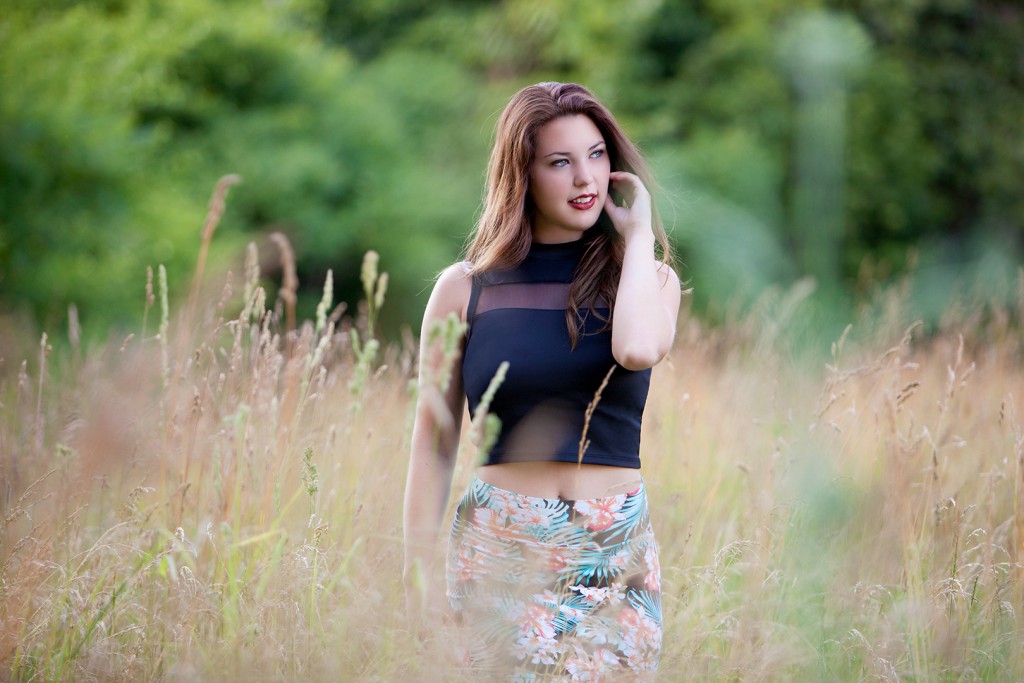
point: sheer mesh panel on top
(548, 296)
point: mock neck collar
(557, 250)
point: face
(568, 178)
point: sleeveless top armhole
(474, 298)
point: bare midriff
(569, 481)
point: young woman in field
(552, 565)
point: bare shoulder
(456, 273)
(451, 292)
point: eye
(559, 163)
(597, 153)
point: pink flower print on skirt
(552, 589)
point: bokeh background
(208, 488)
(842, 144)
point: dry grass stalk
(591, 407)
(289, 280)
(210, 223)
(860, 521)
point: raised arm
(435, 434)
(647, 300)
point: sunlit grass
(222, 500)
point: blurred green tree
(931, 153)
(362, 124)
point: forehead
(565, 133)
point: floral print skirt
(546, 589)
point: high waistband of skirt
(538, 500)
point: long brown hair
(503, 234)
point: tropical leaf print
(551, 589)
(631, 515)
(649, 602)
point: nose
(584, 175)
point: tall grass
(221, 500)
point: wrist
(639, 238)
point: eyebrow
(566, 154)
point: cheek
(541, 188)
(533, 194)
(600, 170)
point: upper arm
(671, 294)
(644, 333)
(440, 402)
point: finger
(622, 177)
(626, 178)
(629, 186)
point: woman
(552, 564)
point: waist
(568, 481)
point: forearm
(643, 327)
(427, 489)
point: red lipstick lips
(583, 202)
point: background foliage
(202, 498)
(360, 124)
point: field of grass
(219, 498)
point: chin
(584, 222)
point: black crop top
(518, 315)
